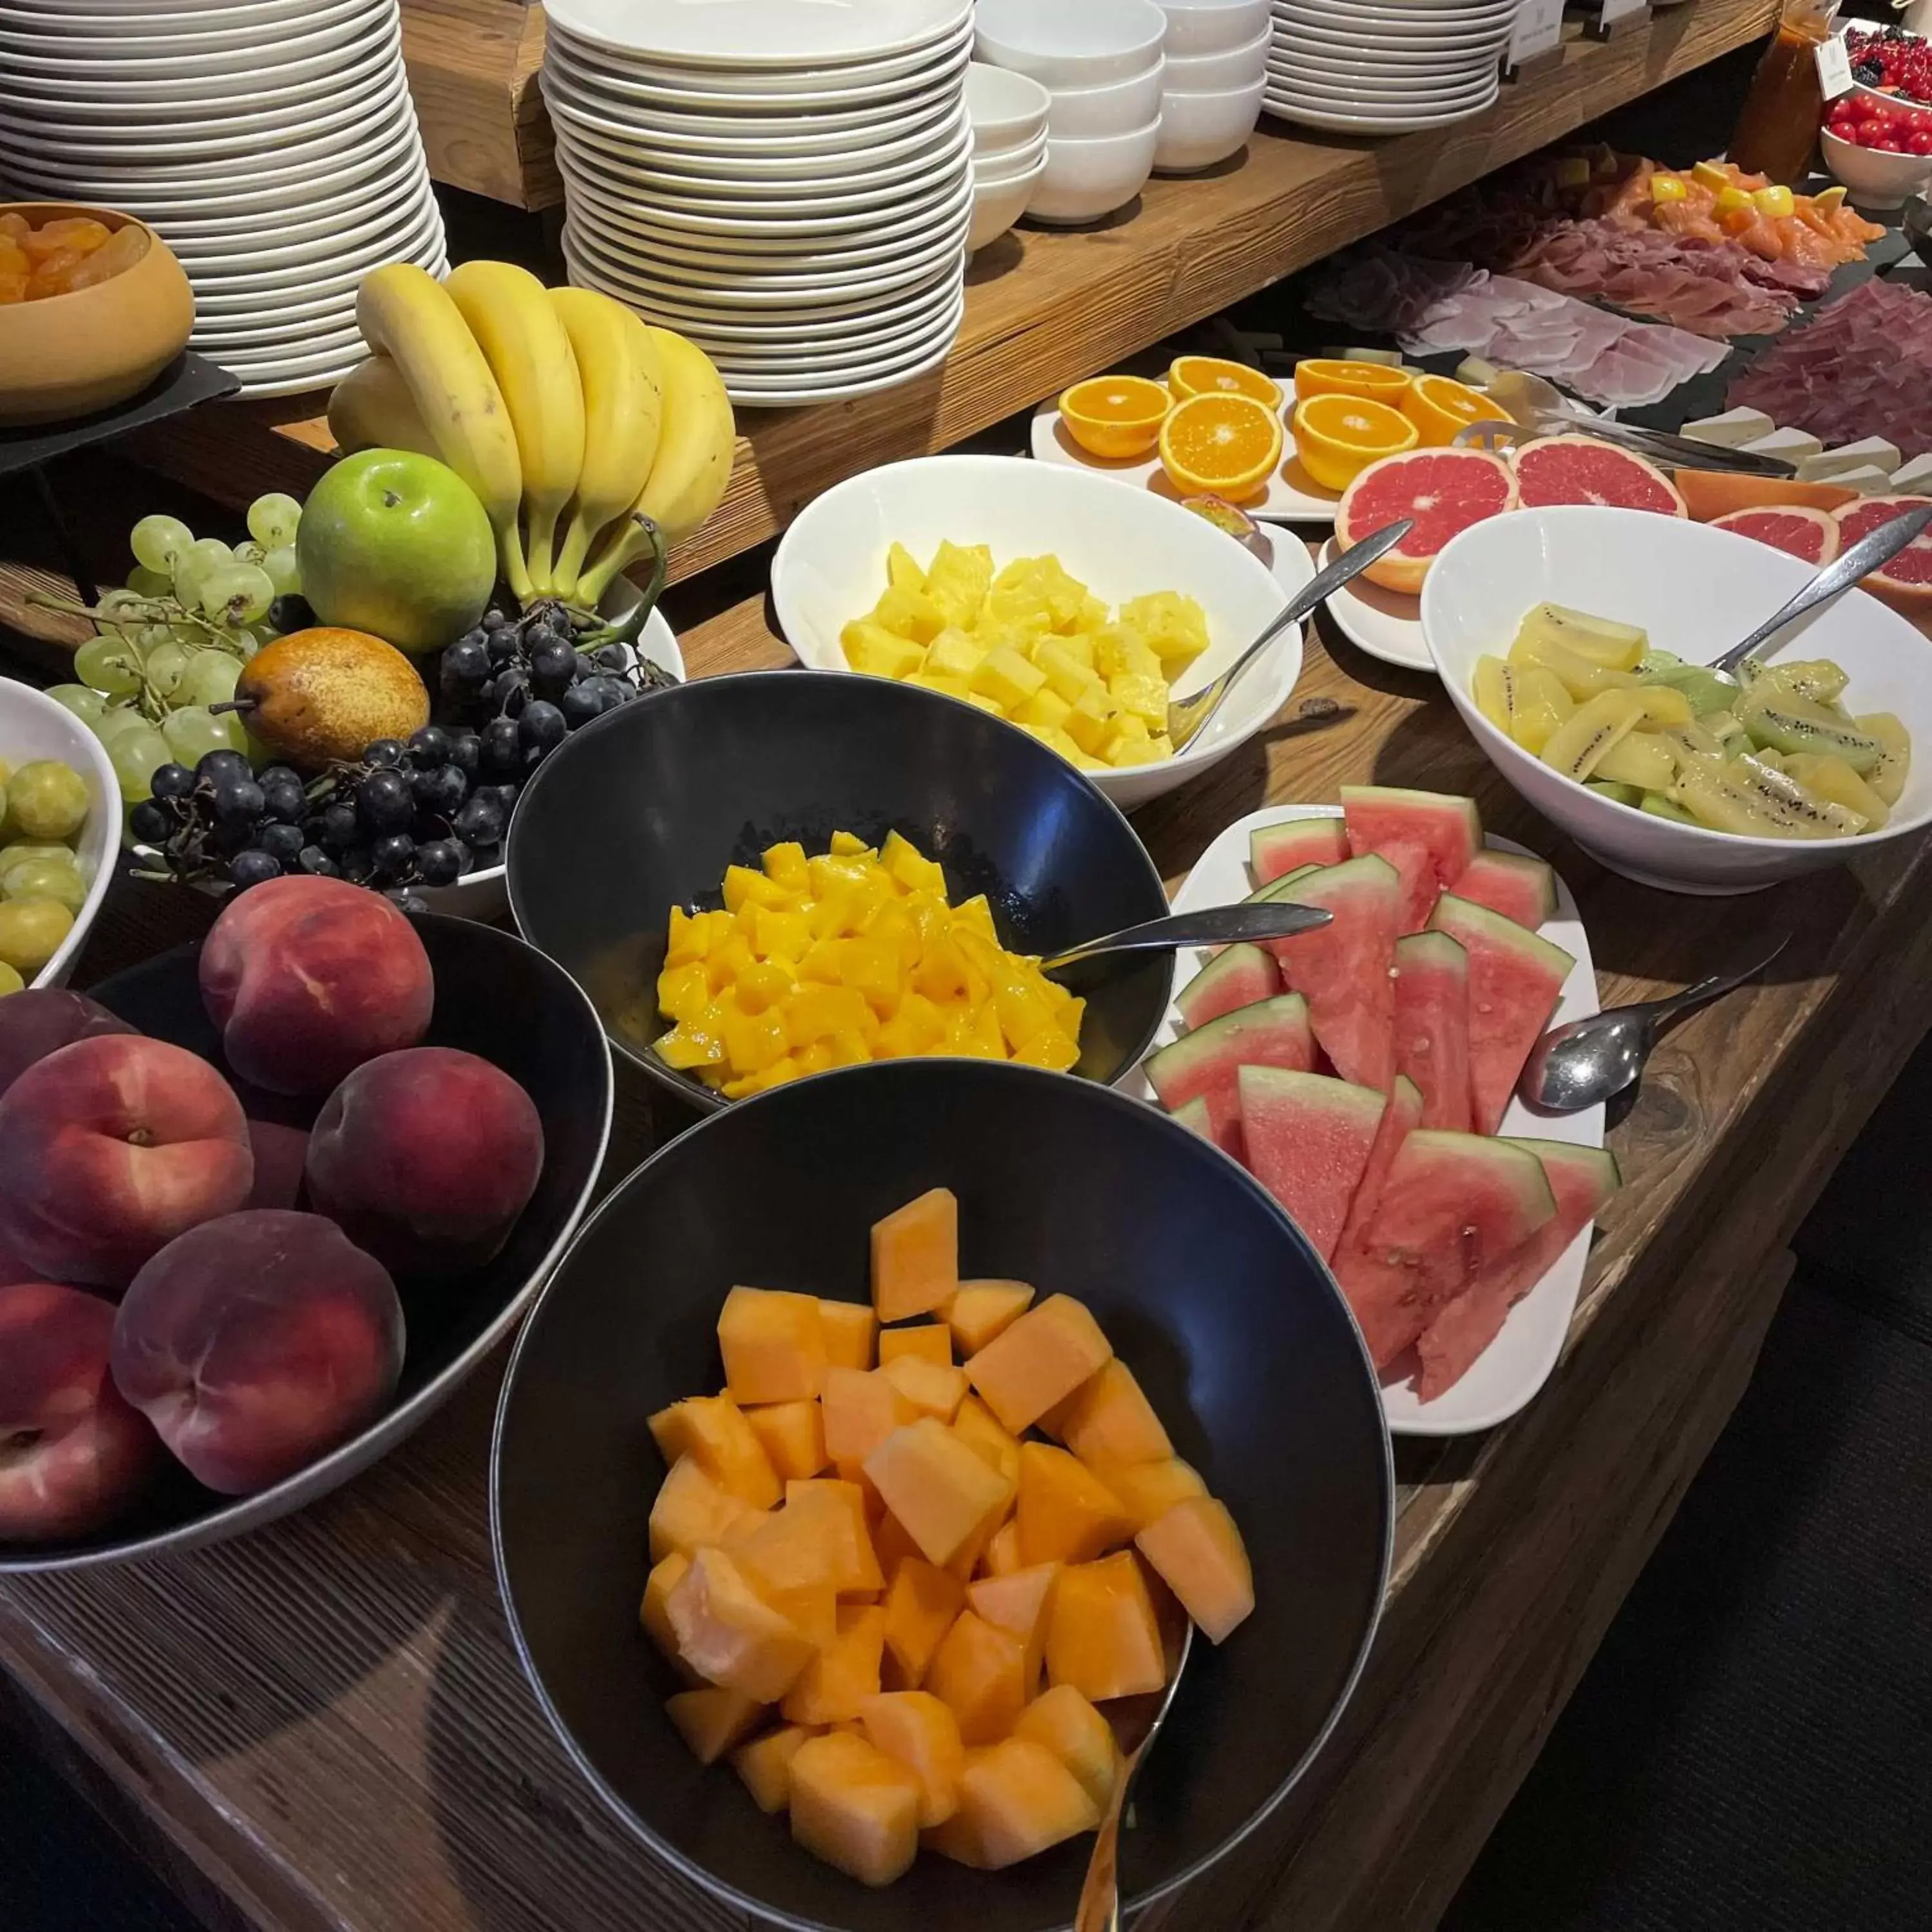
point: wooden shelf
(1044, 309)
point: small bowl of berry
(1881, 152)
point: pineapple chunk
(902, 570)
(1121, 651)
(1066, 676)
(1005, 677)
(909, 614)
(1140, 696)
(958, 580)
(954, 654)
(1174, 626)
(877, 653)
(1045, 707)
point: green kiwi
(1781, 722)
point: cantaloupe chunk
(930, 1340)
(691, 1510)
(713, 1431)
(936, 1486)
(982, 1309)
(892, 1543)
(930, 1389)
(1107, 1419)
(1066, 1514)
(1069, 1726)
(862, 1408)
(711, 1720)
(916, 1730)
(730, 1635)
(855, 1808)
(1016, 1799)
(921, 1603)
(916, 1256)
(773, 1343)
(1148, 1490)
(765, 1766)
(980, 1428)
(1102, 1635)
(1017, 1604)
(855, 1564)
(1039, 1361)
(665, 1577)
(848, 1327)
(1199, 1555)
(792, 1435)
(979, 1673)
(835, 1683)
(783, 1549)
(1001, 1556)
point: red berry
(1919, 141)
(1872, 131)
(1891, 144)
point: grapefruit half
(1579, 469)
(1444, 491)
(1906, 582)
(1709, 494)
(1797, 531)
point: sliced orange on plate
(1330, 375)
(1441, 408)
(1210, 375)
(1115, 416)
(1338, 437)
(1221, 445)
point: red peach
(110, 1148)
(43, 1019)
(73, 1454)
(308, 978)
(257, 1343)
(426, 1157)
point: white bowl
(1200, 27)
(831, 566)
(1008, 110)
(997, 204)
(1874, 179)
(1197, 130)
(1694, 589)
(1084, 180)
(33, 726)
(1216, 74)
(1094, 113)
(1071, 42)
(990, 168)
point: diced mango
(1148, 1490)
(765, 1766)
(979, 1673)
(1017, 1604)
(729, 1635)
(1066, 1514)
(1063, 1720)
(834, 1686)
(652, 1614)
(932, 1340)
(711, 1720)
(1016, 1799)
(937, 1487)
(918, 1731)
(691, 1510)
(910, 868)
(848, 1327)
(871, 648)
(861, 1408)
(854, 1807)
(920, 1606)
(773, 1343)
(714, 1432)
(930, 1389)
(841, 1508)
(982, 1309)
(1109, 1419)
(792, 1435)
(1199, 1555)
(916, 1256)
(1039, 1361)
(1102, 1635)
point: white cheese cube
(1731, 430)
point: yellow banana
(407, 314)
(618, 364)
(509, 314)
(371, 408)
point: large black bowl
(1206, 1289)
(495, 997)
(644, 809)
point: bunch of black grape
(530, 669)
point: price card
(1834, 68)
(1615, 10)
(1539, 27)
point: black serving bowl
(495, 997)
(1206, 1289)
(645, 809)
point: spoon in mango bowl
(1212, 926)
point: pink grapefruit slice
(1798, 531)
(1906, 582)
(1444, 491)
(1579, 469)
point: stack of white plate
(1385, 67)
(787, 183)
(271, 142)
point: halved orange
(1115, 416)
(1441, 408)
(1329, 376)
(1209, 375)
(1337, 437)
(1221, 445)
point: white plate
(773, 87)
(112, 74)
(107, 29)
(1384, 623)
(1391, 98)
(1509, 1372)
(759, 33)
(647, 156)
(1283, 109)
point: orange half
(1337, 437)
(1221, 445)
(1209, 375)
(1329, 376)
(1441, 408)
(1115, 416)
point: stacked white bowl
(1008, 112)
(1101, 63)
(1217, 54)
(1386, 67)
(271, 142)
(790, 185)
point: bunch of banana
(570, 418)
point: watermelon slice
(1579, 469)
(1237, 977)
(1519, 887)
(1451, 1206)
(1432, 1025)
(1427, 836)
(1203, 1065)
(1275, 850)
(1516, 979)
(1400, 1118)
(1343, 969)
(1193, 1115)
(1308, 1142)
(1582, 1179)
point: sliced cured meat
(1444, 491)
(1578, 469)
(1797, 531)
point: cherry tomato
(1919, 141)
(1871, 131)
(1891, 144)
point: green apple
(397, 543)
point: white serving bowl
(1695, 590)
(1027, 160)
(831, 567)
(1216, 74)
(997, 204)
(1071, 42)
(1008, 110)
(1872, 179)
(1092, 113)
(1084, 180)
(1196, 27)
(1197, 130)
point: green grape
(31, 932)
(283, 572)
(136, 754)
(192, 732)
(165, 664)
(82, 699)
(24, 851)
(150, 583)
(117, 607)
(151, 637)
(109, 664)
(158, 540)
(193, 635)
(46, 879)
(46, 800)
(249, 553)
(194, 565)
(10, 981)
(116, 719)
(210, 678)
(272, 520)
(237, 594)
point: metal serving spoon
(1187, 717)
(1215, 925)
(1574, 1066)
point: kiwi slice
(1887, 778)
(1780, 722)
(1746, 796)
(1659, 806)
(1643, 759)
(1597, 640)
(1576, 674)
(1705, 690)
(1620, 794)
(1832, 778)
(1817, 680)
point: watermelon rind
(1275, 850)
(1308, 1139)
(1433, 1048)
(1238, 976)
(1204, 1064)
(1193, 1115)
(1276, 889)
(1429, 837)
(1513, 884)
(1527, 456)
(1343, 968)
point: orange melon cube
(1076, 1734)
(1016, 1801)
(765, 1766)
(783, 1549)
(838, 1680)
(711, 1721)
(916, 1256)
(1148, 1490)
(849, 1327)
(1066, 1514)
(1017, 1604)
(930, 1389)
(979, 1673)
(862, 1408)
(1107, 1419)
(916, 1730)
(921, 1603)
(979, 1428)
(982, 1309)
(1039, 1361)
(1002, 1557)
(691, 1510)
(652, 1614)
(730, 1635)
(841, 1520)
(855, 1808)
(939, 1490)
(1198, 1554)
(930, 1340)
(892, 1544)
(792, 1435)
(773, 1344)
(1102, 1635)
(713, 1432)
